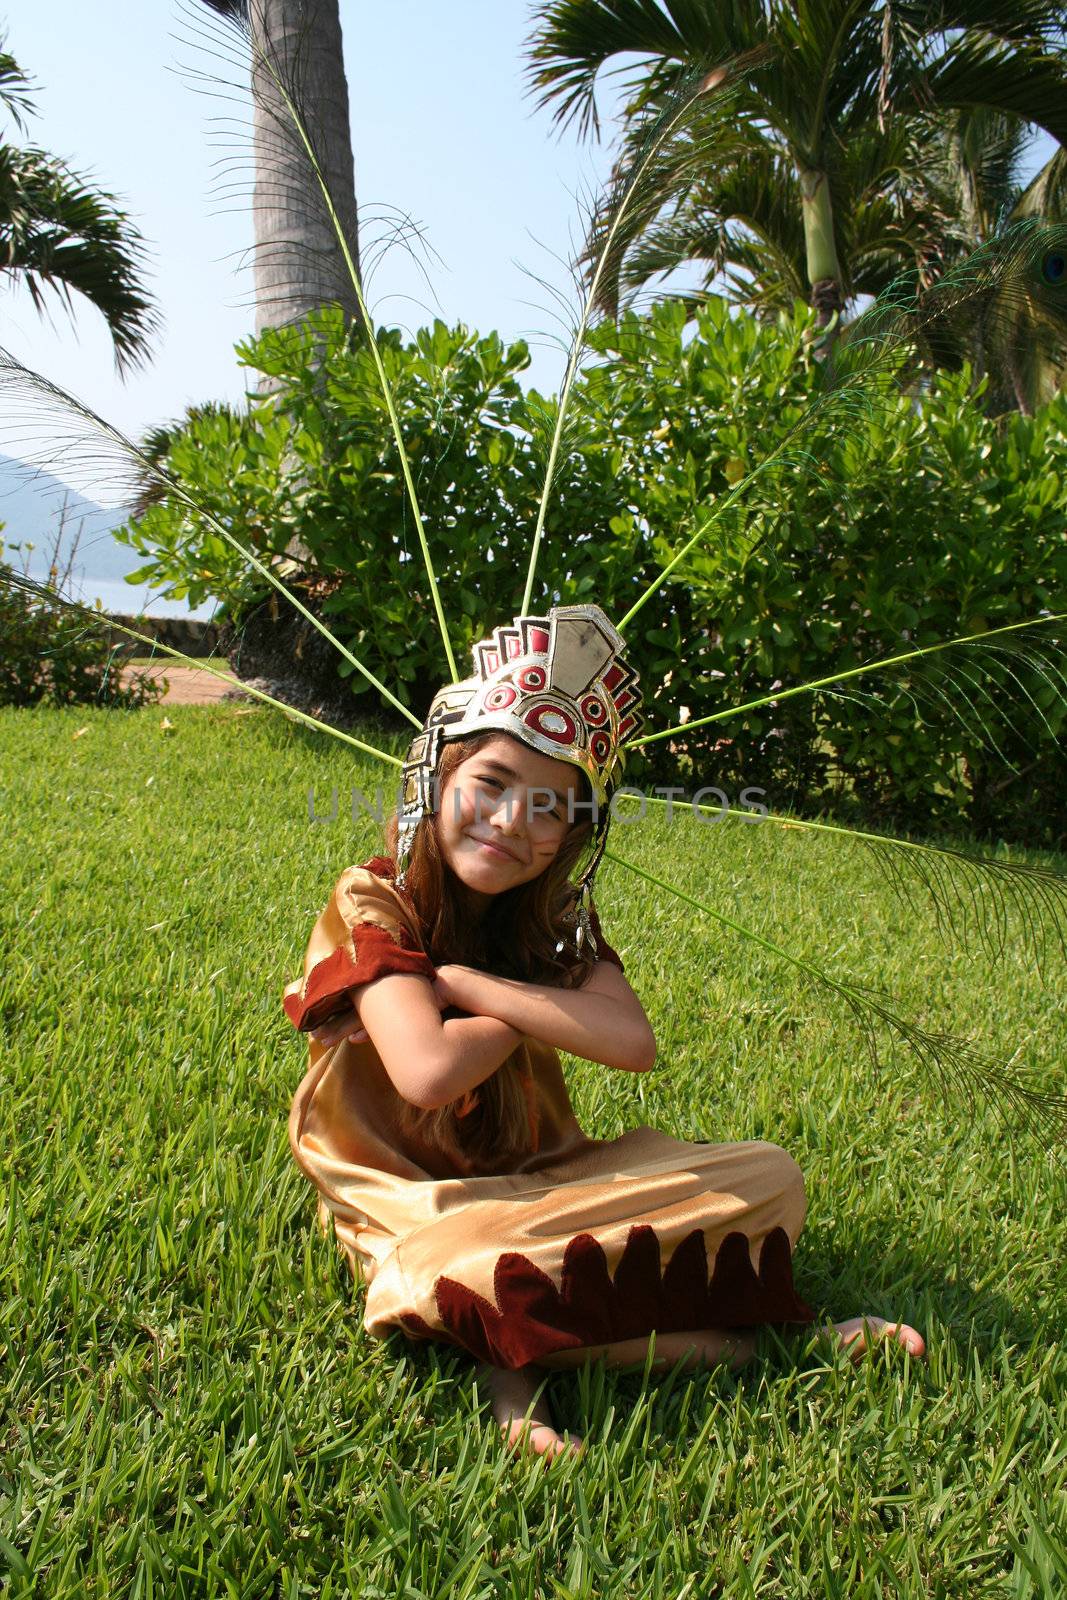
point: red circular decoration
(532, 678)
(542, 718)
(600, 746)
(594, 711)
(500, 697)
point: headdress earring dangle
(559, 683)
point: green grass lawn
(190, 1406)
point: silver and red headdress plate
(559, 683)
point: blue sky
(441, 128)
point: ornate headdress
(560, 684)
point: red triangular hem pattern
(532, 1318)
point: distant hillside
(31, 509)
(31, 506)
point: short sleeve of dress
(366, 931)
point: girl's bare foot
(511, 1394)
(853, 1335)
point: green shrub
(311, 482)
(901, 523)
(914, 520)
(48, 655)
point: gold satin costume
(580, 1246)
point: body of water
(129, 599)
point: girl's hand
(448, 985)
(346, 1025)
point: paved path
(187, 686)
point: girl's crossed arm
(430, 1059)
(602, 1021)
(433, 1060)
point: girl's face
(504, 814)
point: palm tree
(744, 220)
(826, 100)
(59, 234)
(299, 262)
(976, 182)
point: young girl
(440, 983)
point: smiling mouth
(496, 849)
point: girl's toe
(911, 1339)
(853, 1335)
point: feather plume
(977, 681)
(979, 901)
(1001, 308)
(49, 430)
(1048, 658)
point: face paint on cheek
(547, 848)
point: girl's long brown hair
(515, 938)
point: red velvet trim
(536, 1319)
(416, 1325)
(377, 954)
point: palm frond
(956, 1065)
(1022, 75)
(1046, 194)
(633, 188)
(32, 589)
(46, 428)
(737, 207)
(16, 95)
(575, 38)
(60, 235)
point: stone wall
(189, 634)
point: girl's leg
(512, 1392)
(707, 1345)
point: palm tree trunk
(299, 261)
(823, 267)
